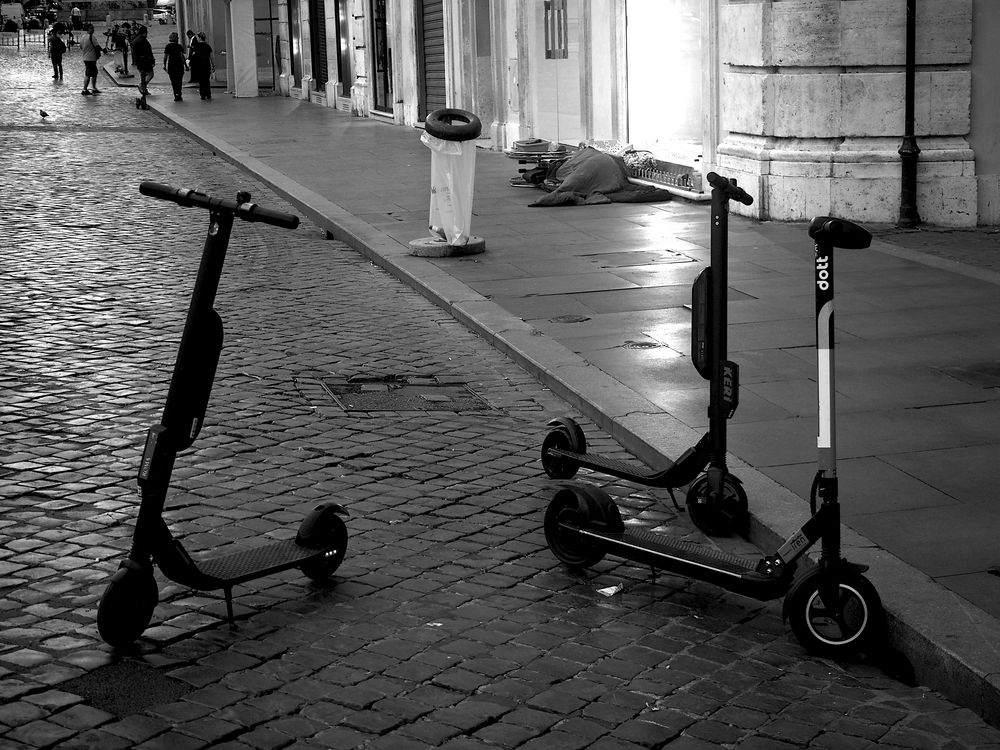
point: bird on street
(43, 113)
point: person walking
(143, 59)
(119, 40)
(202, 65)
(174, 63)
(76, 18)
(57, 48)
(90, 50)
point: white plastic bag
(453, 172)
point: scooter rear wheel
(724, 516)
(334, 534)
(851, 623)
(127, 604)
(573, 506)
(568, 437)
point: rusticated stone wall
(812, 107)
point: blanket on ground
(590, 176)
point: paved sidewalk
(591, 299)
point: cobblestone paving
(449, 624)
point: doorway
(666, 35)
(268, 55)
(381, 59)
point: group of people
(198, 58)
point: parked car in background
(164, 17)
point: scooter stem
(190, 384)
(826, 440)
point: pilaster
(812, 98)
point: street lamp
(909, 152)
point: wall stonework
(813, 103)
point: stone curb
(952, 645)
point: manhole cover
(640, 345)
(125, 688)
(394, 393)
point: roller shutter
(434, 94)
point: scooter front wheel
(721, 516)
(835, 623)
(330, 532)
(127, 604)
(568, 437)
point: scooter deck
(731, 572)
(225, 571)
(676, 474)
(238, 567)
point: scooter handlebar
(729, 187)
(193, 199)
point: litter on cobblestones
(611, 590)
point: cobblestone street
(449, 624)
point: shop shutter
(317, 28)
(435, 91)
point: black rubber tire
(453, 125)
(566, 438)
(857, 623)
(570, 548)
(127, 605)
(335, 533)
(730, 515)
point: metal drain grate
(395, 393)
(126, 687)
(629, 344)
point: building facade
(801, 100)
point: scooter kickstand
(228, 591)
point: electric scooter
(716, 501)
(832, 609)
(127, 605)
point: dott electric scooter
(832, 608)
(127, 605)
(716, 502)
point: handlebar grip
(729, 188)
(193, 199)
(847, 235)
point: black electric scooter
(832, 608)
(127, 605)
(716, 501)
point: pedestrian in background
(202, 65)
(120, 39)
(143, 59)
(57, 48)
(76, 16)
(174, 63)
(192, 40)
(90, 50)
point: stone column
(812, 98)
(241, 60)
